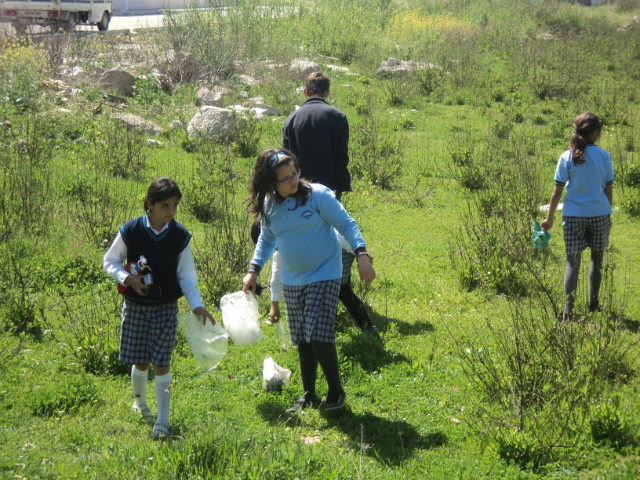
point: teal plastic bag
(540, 237)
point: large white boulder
(268, 109)
(117, 80)
(209, 122)
(135, 122)
(400, 68)
(204, 96)
(303, 67)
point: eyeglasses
(288, 179)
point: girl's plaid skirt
(148, 332)
(347, 264)
(311, 311)
(583, 232)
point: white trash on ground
(208, 342)
(240, 318)
(274, 375)
(545, 208)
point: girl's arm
(264, 250)
(553, 205)
(608, 191)
(112, 265)
(188, 281)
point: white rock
(176, 125)
(545, 208)
(256, 99)
(204, 96)
(346, 85)
(400, 68)
(621, 29)
(154, 143)
(545, 36)
(268, 109)
(303, 67)
(337, 68)
(211, 122)
(300, 89)
(247, 80)
(135, 122)
(117, 80)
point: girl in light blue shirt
(299, 218)
(587, 173)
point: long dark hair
(161, 189)
(264, 179)
(584, 126)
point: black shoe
(335, 401)
(595, 308)
(303, 402)
(373, 331)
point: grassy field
(475, 377)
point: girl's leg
(163, 392)
(355, 306)
(308, 370)
(327, 356)
(139, 375)
(571, 282)
(595, 279)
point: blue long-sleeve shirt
(305, 238)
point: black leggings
(571, 279)
(355, 306)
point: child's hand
(249, 283)
(204, 313)
(365, 269)
(547, 224)
(274, 313)
(135, 282)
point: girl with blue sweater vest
(150, 311)
(587, 173)
(299, 218)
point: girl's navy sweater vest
(161, 252)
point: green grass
(411, 410)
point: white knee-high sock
(163, 396)
(139, 384)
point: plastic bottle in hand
(540, 237)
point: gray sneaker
(145, 412)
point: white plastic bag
(240, 318)
(274, 375)
(281, 334)
(208, 342)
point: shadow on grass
(389, 441)
(369, 353)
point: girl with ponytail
(587, 173)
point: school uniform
(586, 212)
(149, 324)
(311, 254)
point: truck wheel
(103, 24)
(20, 28)
(69, 24)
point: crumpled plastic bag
(208, 342)
(540, 237)
(274, 376)
(240, 318)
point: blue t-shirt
(305, 237)
(585, 183)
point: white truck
(56, 14)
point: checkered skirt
(148, 332)
(347, 264)
(583, 232)
(311, 311)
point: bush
(89, 333)
(376, 155)
(65, 393)
(607, 425)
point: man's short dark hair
(317, 83)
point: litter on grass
(545, 208)
(274, 376)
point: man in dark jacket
(319, 136)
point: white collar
(157, 232)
